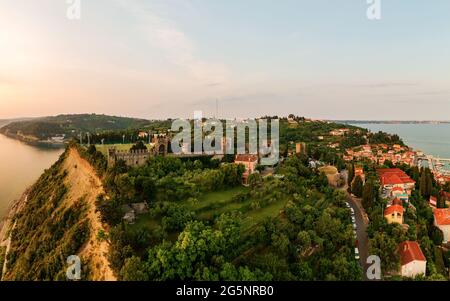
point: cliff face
(59, 220)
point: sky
(321, 59)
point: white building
(442, 221)
(413, 261)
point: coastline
(33, 142)
(5, 222)
(6, 227)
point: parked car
(356, 254)
(354, 226)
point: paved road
(361, 231)
(361, 227)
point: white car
(354, 226)
(353, 219)
(353, 211)
(347, 205)
(356, 254)
(354, 233)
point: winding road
(361, 227)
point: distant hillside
(40, 129)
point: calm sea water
(20, 166)
(432, 139)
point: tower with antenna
(217, 109)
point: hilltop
(68, 126)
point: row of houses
(397, 186)
(380, 153)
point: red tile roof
(393, 176)
(442, 216)
(246, 158)
(410, 251)
(394, 208)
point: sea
(20, 166)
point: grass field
(215, 203)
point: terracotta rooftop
(442, 216)
(246, 158)
(392, 176)
(410, 251)
(394, 208)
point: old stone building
(131, 158)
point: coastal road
(361, 231)
(361, 226)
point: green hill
(70, 126)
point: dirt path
(83, 182)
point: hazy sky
(153, 59)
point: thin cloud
(179, 49)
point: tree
(133, 270)
(426, 183)
(368, 195)
(385, 247)
(255, 179)
(437, 236)
(351, 173)
(357, 186)
(139, 146)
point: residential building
(413, 262)
(442, 221)
(395, 177)
(250, 162)
(433, 202)
(394, 214)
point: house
(399, 193)
(250, 162)
(395, 177)
(140, 208)
(413, 262)
(142, 134)
(359, 171)
(433, 202)
(394, 214)
(442, 221)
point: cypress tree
(357, 187)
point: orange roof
(394, 208)
(246, 158)
(392, 176)
(442, 216)
(410, 251)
